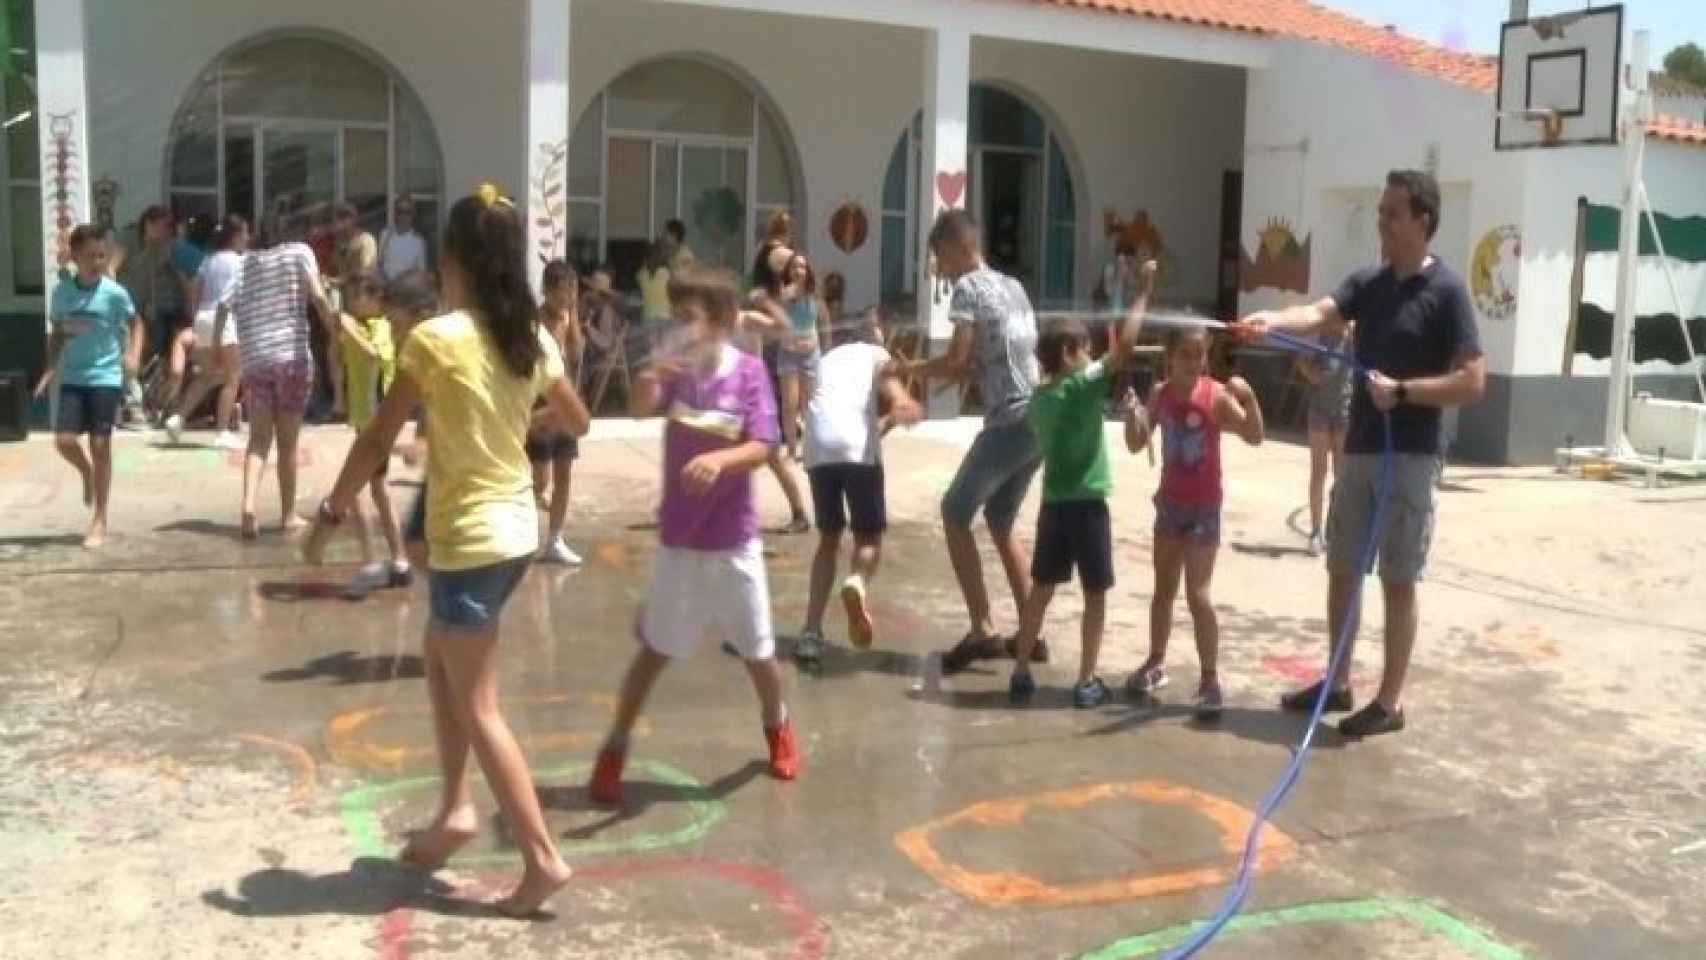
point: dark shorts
(1074, 533)
(543, 448)
(90, 410)
(840, 489)
(473, 599)
(1195, 523)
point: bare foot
(251, 528)
(97, 535)
(432, 848)
(534, 890)
(292, 524)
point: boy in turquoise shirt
(96, 341)
(1073, 528)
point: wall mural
(62, 164)
(951, 187)
(1143, 238)
(548, 201)
(1493, 272)
(1280, 262)
(849, 226)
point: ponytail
(486, 238)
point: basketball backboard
(1559, 79)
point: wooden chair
(607, 333)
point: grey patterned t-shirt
(1004, 348)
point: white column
(547, 40)
(945, 182)
(1634, 128)
(62, 117)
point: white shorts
(204, 329)
(699, 595)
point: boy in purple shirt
(709, 573)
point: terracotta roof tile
(1677, 130)
(1311, 21)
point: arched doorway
(677, 139)
(283, 122)
(1019, 186)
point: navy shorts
(1074, 533)
(90, 410)
(468, 600)
(544, 448)
(839, 489)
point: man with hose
(1413, 330)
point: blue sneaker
(1021, 688)
(1091, 693)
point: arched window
(676, 139)
(280, 124)
(1019, 186)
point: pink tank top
(1190, 452)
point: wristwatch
(1403, 392)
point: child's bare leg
(1169, 561)
(233, 379)
(363, 538)
(471, 670)
(457, 821)
(823, 577)
(255, 464)
(541, 483)
(1320, 440)
(643, 672)
(867, 554)
(767, 683)
(562, 469)
(790, 483)
(101, 457)
(1031, 625)
(289, 427)
(387, 516)
(791, 412)
(1095, 614)
(70, 446)
(1199, 575)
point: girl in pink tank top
(1191, 409)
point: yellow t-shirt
(654, 291)
(367, 377)
(479, 486)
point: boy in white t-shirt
(843, 447)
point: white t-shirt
(401, 252)
(841, 416)
(218, 273)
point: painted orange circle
(1002, 888)
(349, 747)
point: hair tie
(492, 195)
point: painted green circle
(360, 810)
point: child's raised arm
(1236, 409)
(1131, 325)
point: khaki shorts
(1408, 526)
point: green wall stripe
(1684, 237)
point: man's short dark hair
(86, 234)
(1424, 195)
(676, 229)
(953, 225)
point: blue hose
(1234, 900)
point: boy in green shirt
(1073, 529)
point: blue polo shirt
(1405, 329)
(96, 323)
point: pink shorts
(279, 387)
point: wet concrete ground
(204, 753)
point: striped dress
(269, 304)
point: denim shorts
(802, 362)
(469, 600)
(994, 477)
(1198, 524)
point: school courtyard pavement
(205, 753)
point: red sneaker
(784, 753)
(606, 786)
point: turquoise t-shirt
(96, 322)
(1066, 416)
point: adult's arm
(1465, 384)
(903, 410)
(953, 363)
(1324, 317)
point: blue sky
(1474, 24)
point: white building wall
(1676, 182)
(463, 59)
(1361, 118)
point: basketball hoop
(1559, 80)
(1550, 122)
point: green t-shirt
(1066, 416)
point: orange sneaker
(606, 786)
(784, 753)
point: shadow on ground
(349, 668)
